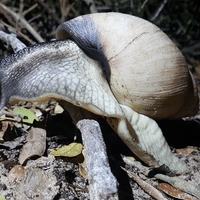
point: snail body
(114, 65)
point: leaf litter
(65, 167)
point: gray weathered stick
(12, 40)
(145, 170)
(103, 185)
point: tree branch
(12, 40)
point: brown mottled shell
(145, 69)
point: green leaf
(2, 198)
(71, 150)
(29, 116)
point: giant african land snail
(118, 66)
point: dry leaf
(38, 184)
(4, 127)
(82, 171)
(38, 112)
(11, 117)
(36, 144)
(16, 174)
(185, 151)
(7, 132)
(71, 150)
(173, 192)
(83, 167)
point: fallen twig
(12, 40)
(146, 186)
(158, 10)
(143, 4)
(103, 185)
(145, 170)
(65, 7)
(180, 184)
(17, 31)
(29, 9)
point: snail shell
(145, 69)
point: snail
(117, 66)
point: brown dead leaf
(36, 144)
(186, 151)
(7, 132)
(83, 167)
(4, 127)
(83, 171)
(38, 112)
(16, 174)
(38, 184)
(173, 192)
